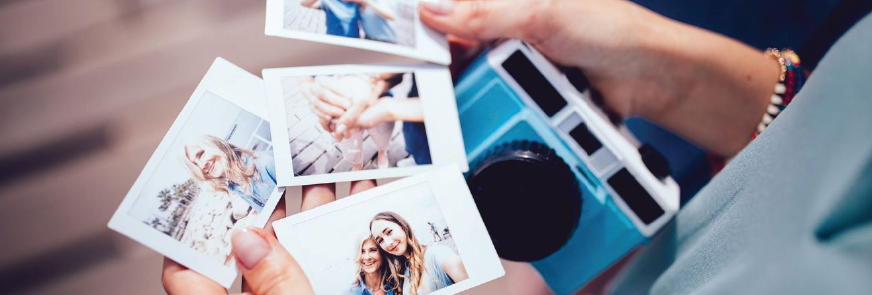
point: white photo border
(239, 88)
(458, 208)
(429, 46)
(441, 120)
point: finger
(266, 266)
(326, 109)
(278, 213)
(478, 19)
(323, 118)
(328, 91)
(362, 185)
(325, 124)
(317, 195)
(178, 279)
(349, 118)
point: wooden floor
(87, 90)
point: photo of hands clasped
(375, 121)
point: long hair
(415, 252)
(360, 275)
(237, 172)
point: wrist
(704, 86)
(391, 111)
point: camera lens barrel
(528, 197)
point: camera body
(556, 182)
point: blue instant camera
(556, 182)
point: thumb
(266, 266)
(479, 19)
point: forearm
(406, 110)
(381, 11)
(310, 3)
(710, 89)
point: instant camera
(557, 183)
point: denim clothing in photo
(376, 27)
(435, 277)
(417, 144)
(342, 18)
(360, 289)
(415, 134)
(264, 184)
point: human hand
(601, 37)
(356, 89)
(378, 112)
(326, 105)
(683, 78)
(266, 266)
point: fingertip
(437, 7)
(250, 246)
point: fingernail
(340, 129)
(249, 247)
(438, 7)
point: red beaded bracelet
(789, 83)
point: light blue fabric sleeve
(435, 277)
(375, 27)
(434, 256)
(267, 166)
(791, 213)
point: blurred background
(88, 88)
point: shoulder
(263, 158)
(437, 253)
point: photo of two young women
(217, 175)
(351, 122)
(398, 243)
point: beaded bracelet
(789, 83)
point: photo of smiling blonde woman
(227, 168)
(373, 275)
(424, 269)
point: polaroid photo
(351, 122)
(390, 26)
(419, 233)
(213, 172)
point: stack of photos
(418, 235)
(240, 141)
(345, 123)
(213, 172)
(390, 26)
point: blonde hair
(237, 172)
(360, 276)
(414, 250)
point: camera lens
(528, 197)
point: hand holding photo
(418, 235)
(345, 123)
(390, 26)
(214, 172)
